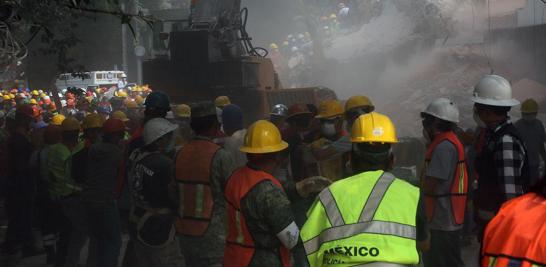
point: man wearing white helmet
(153, 212)
(444, 184)
(502, 163)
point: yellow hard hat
(131, 104)
(58, 119)
(182, 111)
(6, 97)
(273, 46)
(373, 128)
(42, 95)
(33, 102)
(35, 93)
(329, 109)
(139, 99)
(70, 124)
(121, 93)
(11, 96)
(92, 120)
(333, 16)
(263, 137)
(358, 101)
(120, 116)
(222, 101)
(529, 106)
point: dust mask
(479, 121)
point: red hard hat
(36, 111)
(113, 126)
(298, 109)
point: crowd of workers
(306, 186)
(292, 56)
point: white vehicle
(92, 80)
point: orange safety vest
(239, 243)
(517, 234)
(192, 173)
(459, 186)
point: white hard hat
(443, 108)
(123, 75)
(494, 90)
(155, 129)
(294, 49)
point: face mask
(328, 129)
(479, 121)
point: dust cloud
(408, 53)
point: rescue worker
(278, 116)
(51, 210)
(257, 205)
(445, 183)
(232, 116)
(532, 132)
(502, 164)
(371, 217)
(202, 168)
(62, 187)
(354, 107)
(154, 204)
(157, 104)
(299, 120)
(181, 116)
(222, 101)
(261, 227)
(98, 184)
(330, 164)
(515, 236)
(19, 187)
(92, 126)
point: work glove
(312, 185)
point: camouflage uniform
(208, 250)
(266, 209)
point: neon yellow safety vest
(369, 217)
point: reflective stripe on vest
(193, 170)
(517, 233)
(240, 246)
(459, 185)
(364, 235)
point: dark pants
(74, 233)
(19, 206)
(445, 249)
(104, 232)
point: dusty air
(286, 133)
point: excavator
(211, 54)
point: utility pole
(124, 65)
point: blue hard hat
(158, 100)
